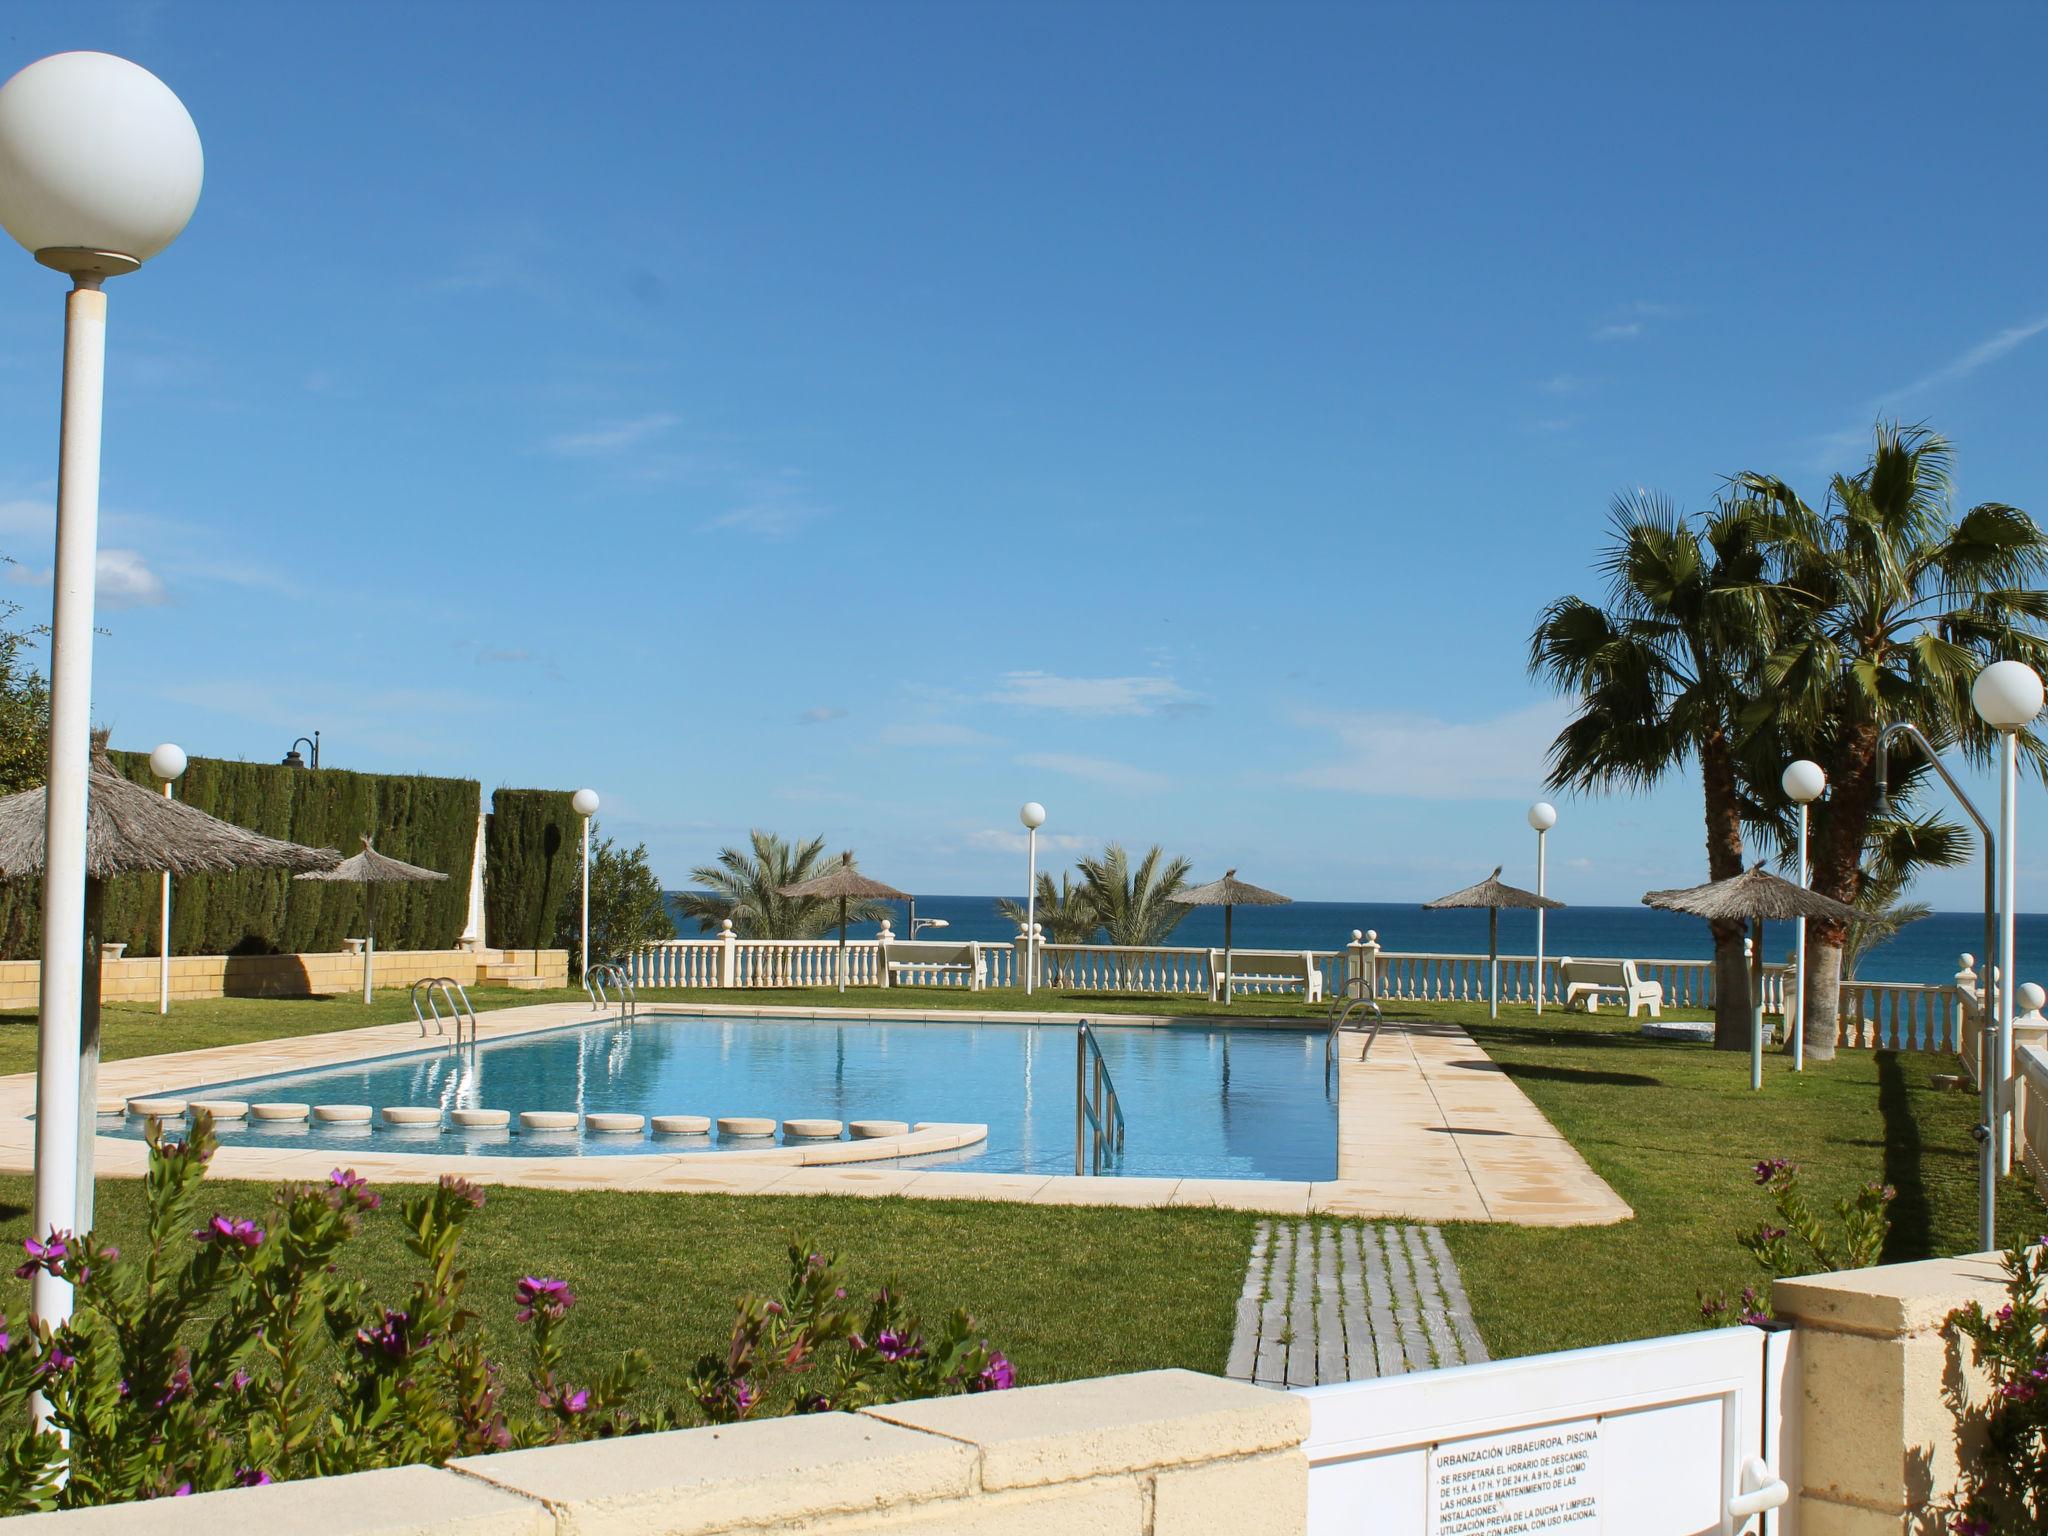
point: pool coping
(1391, 1193)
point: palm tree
(1659, 676)
(746, 886)
(1131, 905)
(1063, 913)
(1895, 606)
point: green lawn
(1673, 1127)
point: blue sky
(859, 419)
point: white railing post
(1021, 945)
(728, 955)
(886, 936)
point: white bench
(1268, 968)
(1587, 981)
(932, 958)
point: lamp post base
(82, 263)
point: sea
(1925, 951)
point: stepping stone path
(1331, 1301)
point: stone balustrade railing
(1890, 1015)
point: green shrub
(533, 852)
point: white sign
(1518, 1483)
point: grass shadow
(1912, 1217)
(1523, 1069)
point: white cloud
(1629, 322)
(774, 511)
(1092, 695)
(123, 580)
(1096, 770)
(936, 733)
(1003, 840)
(821, 714)
(1987, 351)
(597, 442)
(1419, 757)
(1561, 384)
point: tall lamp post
(1033, 817)
(2008, 696)
(167, 762)
(584, 801)
(1804, 781)
(100, 168)
(1542, 817)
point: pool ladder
(1353, 999)
(1098, 1115)
(594, 982)
(437, 990)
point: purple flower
(566, 1400)
(891, 1345)
(1712, 1307)
(57, 1361)
(45, 1255)
(551, 1299)
(736, 1397)
(180, 1386)
(251, 1477)
(352, 1186)
(239, 1382)
(230, 1232)
(1970, 1525)
(182, 1491)
(997, 1376)
(2018, 1391)
(1771, 1167)
(387, 1338)
(463, 1190)
(1769, 1234)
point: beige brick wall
(199, 976)
(1168, 1453)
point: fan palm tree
(1895, 605)
(1130, 904)
(1659, 675)
(746, 886)
(1063, 913)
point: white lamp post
(1033, 817)
(2008, 696)
(1542, 816)
(585, 803)
(1804, 782)
(167, 762)
(100, 169)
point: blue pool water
(1198, 1102)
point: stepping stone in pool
(156, 1108)
(746, 1125)
(812, 1130)
(222, 1109)
(481, 1119)
(412, 1114)
(681, 1125)
(280, 1113)
(342, 1114)
(869, 1130)
(547, 1119)
(615, 1124)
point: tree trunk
(1724, 862)
(1839, 833)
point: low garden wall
(1162, 1453)
(202, 976)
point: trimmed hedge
(532, 856)
(426, 821)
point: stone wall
(201, 976)
(1163, 1453)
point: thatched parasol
(1492, 895)
(1754, 896)
(1227, 893)
(845, 884)
(373, 869)
(129, 830)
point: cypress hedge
(426, 821)
(532, 857)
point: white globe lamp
(2008, 697)
(100, 169)
(100, 164)
(1032, 814)
(1803, 781)
(167, 762)
(585, 802)
(1542, 817)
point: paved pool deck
(1430, 1129)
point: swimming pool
(1199, 1101)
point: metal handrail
(438, 989)
(1098, 1113)
(594, 987)
(1343, 1021)
(1353, 989)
